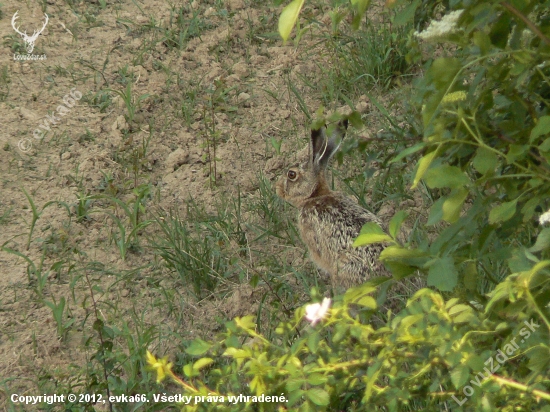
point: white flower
(438, 29)
(545, 217)
(317, 311)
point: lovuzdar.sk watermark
(29, 40)
(501, 356)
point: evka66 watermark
(29, 40)
(69, 101)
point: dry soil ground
(171, 101)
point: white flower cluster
(437, 30)
(545, 217)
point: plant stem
(513, 384)
(528, 22)
(100, 333)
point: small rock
(134, 44)
(215, 73)
(66, 156)
(242, 97)
(119, 102)
(241, 69)
(386, 212)
(209, 11)
(28, 114)
(177, 158)
(184, 136)
(362, 107)
(234, 5)
(141, 73)
(142, 19)
(124, 293)
(190, 65)
(139, 118)
(257, 60)
(232, 79)
(119, 123)
(344, 110)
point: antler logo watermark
(29, 40)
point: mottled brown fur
(328, 221)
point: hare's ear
(340, 129)
(322, 148)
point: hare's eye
(292, 175)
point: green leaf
(367, 302)
(288, 18)
(408, 151)
(465, 317)
(198, 347)
(398, 252)
(470, 276)
(318, 396)
(396, 222)
(529, 207)
(201, 363)
(543, 241)
(313, 341)
(485, 160)
(294, 383)
(407, 14)
(541, 128)
(353, 295)
(423, 165)
(442, 274)
(316, 379)
(436, 212)
(453, 205)
(361, 7)
(482, 40)
(518, 262)
(503, 212)
(355, 120)
(189, 371)
(544, 146)
(500, 31)
(459, 375)
(294, 396)
(237, 353)
(461, 313)
(515, 152)
(371, 228)
(539, 359)
(371, 233)
(409, 321)
(246, 322)
(446, 176)
(399, 270)
(442, 74)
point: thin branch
(528, 22)
(513, 384)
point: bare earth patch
(169, 103)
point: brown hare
(328, 221)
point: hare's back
(329, 224)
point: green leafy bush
(479, 339)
